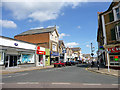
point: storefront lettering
(39, 51)
(114, 49)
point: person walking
(98, 64)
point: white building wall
(54, 37)
(11, 43)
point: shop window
(26, 58)
(112, 59)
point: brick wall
(41, 39)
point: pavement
(22, 69)
(104, 70)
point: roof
(61, 42)
(16, 40)
(38, 31)
(76, 49)
(114, 3)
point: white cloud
(88, 46)
(62, 14)
(40, 11)
(53, 26)
(7, 24)
(63, 35)
(37, 28)
(71, 44)
(29, 20)
(50, 26)
(78, 27)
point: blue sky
(76, 22)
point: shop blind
(113, 34)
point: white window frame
(115, 13)
(54, 47)
(117, 32)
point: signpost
(108, 51)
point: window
(113, 34)
(111, 17)
(118, 32)
(118, 12)
(54, 47)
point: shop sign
(39, 51)
(63, 51)
(15, 44)
(54, 53)
(114, 49)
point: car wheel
(54, 65)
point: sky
(77, 22)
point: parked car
(59, 64)
(76, 62)
(68, 63)
(80, 61)
(72, 62)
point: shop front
(114, 56)
(47, 57)
(41, 56)
(15, 53)
(54, 57)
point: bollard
(98, 67)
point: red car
(59, 64)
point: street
(65, 77)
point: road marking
(9, 76)
(2, 83)
(115, 74)
(20, 74)
(62, 83)
(15, 75)
(90, 84)
(115, 84)
(21, 83)
(28, 83)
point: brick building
(108, 36)
(46, 37)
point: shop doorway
(56, 59)
(11, 60)
(40, 60)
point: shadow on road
(82, 65)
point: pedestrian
(92, 64)
(98, 64)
